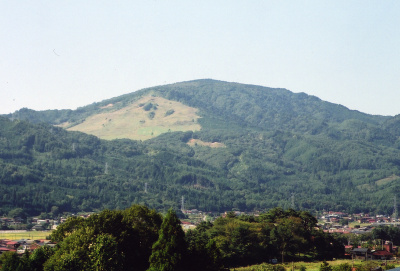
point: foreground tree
(203, 252)
(110, 240)
(10, 261)
(288, 236)
(39, 256)
(169, 250)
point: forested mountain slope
(245, 147)
(263, 107)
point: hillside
(246, 105)
(220, 145)
(146, 118)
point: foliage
(138, 238)
(110, 240)
(274, 234)
(275, 144)
(267, 267)
(325, 267)
(342, 267)
(169, 251)
(387, 233)
(11, 262)
(39, 256)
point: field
(310, 266)
(17, 235)
(144, 119)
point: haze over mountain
(220, 145)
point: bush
(169, 112)
(148, 106)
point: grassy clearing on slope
(140, 121)
(194, 142)
(387, 180)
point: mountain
(220, 145)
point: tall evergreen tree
(169, 250)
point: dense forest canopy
(138, 238)
(269, 145)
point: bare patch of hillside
(144, 119)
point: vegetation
(335, 265)
(138, 238)
(33, 235)
(169, 250)
(272, 144)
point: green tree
(288, 235)
(39, 256)
(10, 261)
(104, 254)
(325, 267)
(17, 212)
(169, 250)
(203, 252)
(109, 240)
(25, 263)
(140, 233)
(73, 252)
(66, 228)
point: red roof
(34, 246)
(382, 253)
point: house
(34, 246)
(361, 253)
(12, 245)
(388, 246)
(187, 225)
(4, 249)
(22, 248)
(38, 227)
(382, 255)
(348, 249)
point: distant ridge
(256, 105)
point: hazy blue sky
(66, 54)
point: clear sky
(66, 54)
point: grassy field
(33, 235)
(135, 122)
(310, 266)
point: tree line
(139, 238)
